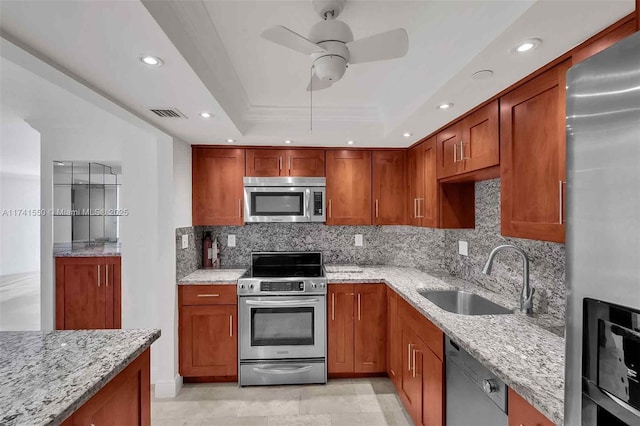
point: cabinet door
(480, 144)
(521, 413)
(370, 328)
(266, 162)
(532, 152)
(394, 340)
(340, 329)
(428, 203)
(81, 293)
(411, 390)
(113, 290)
(389, 187)
(449, 156)
(432, 376)
(208, 340)
(348, 187)
(415, 175)
(217, 186)
(305, 162)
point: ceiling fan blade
(387, 45)
(287, 38)
(317, 84)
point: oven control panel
(256, 286)
(282, 286)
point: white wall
(182, 183)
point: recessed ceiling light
(445, 106)
(526, 45)
(287, 141)
(350, 142)
(407, 134)
(153, 61)
(205, 115)
(231, 140)
(482, 75)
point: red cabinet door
(370, 328)
(348, 187)
(81, 293)
(340, 329)
(389, 187)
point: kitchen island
(75, 376)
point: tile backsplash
(423, 248)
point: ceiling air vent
(167, 113)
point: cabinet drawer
(208, 295)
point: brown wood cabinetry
(423, 184)
(207, 330)
(470, 144)
(88, 292)
(389, 187)
(394, 340)
(521, 413)
(125, 400)
(356, 328)
(532, 153)
(348, 187)
(285, 162)
(217, 186)
(603, 42)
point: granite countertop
(527, 353)
(46, 376)
(86, 250)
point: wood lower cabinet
(125, 400)
(389, 187)
(348, 187)
(394, 340)
(207, 330)
(356, 328)
(521, 413)
(218, 190)
(88, 292)
(285, 162)
(532, 157)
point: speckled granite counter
(84, 250)
(212, 276)
(519, 349)
(46, 376)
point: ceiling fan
(332, 47)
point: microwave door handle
(307, 194)
(301, 302)
(283, 370)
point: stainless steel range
(282, 319)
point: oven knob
(489, 386)
(313, 285)
(251, 286)
(241, 286)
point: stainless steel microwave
(284, 199)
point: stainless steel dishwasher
(475, 396)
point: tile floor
(348, 402)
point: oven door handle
(297, 302)
(283, 370)
(610, 403)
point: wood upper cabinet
(125, 400)
(348, 187)
(217, 186)
(283, 162)
(470, 144)
(423, 184)
(415, 184)
(605, 41)
(88, 292)
(356, 331)
(389, 187)
(532, 157)
(208, 343)
(521, 413)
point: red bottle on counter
(207, 244)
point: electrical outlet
(185, 241)
(358, 241)
(231, 240)
(463, 248)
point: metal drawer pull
(455, 152)
(289, 164)
(377, 203)
(230, 325)
(359, 317)
(106, 281)
(208, 295)
(282, 302)
(415, 208)
(329, 208)
(420, 207)
(283, 370)
(333, 306)
(280, 163)
(409, 356)
(98, 275)
(462, 157)
(414, 362)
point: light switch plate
(463, 248)
(358, 241)
(231, 240)
(185, 241)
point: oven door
(282, 327)
(277, 204)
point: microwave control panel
(317, 203)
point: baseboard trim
(168, 388)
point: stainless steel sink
(463, 302)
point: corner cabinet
(217, 186)
(285, 162)
(348, 187)
(88, 292)
(207, 332)
(356, 329)
(533, 151)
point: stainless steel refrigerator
(603, 238)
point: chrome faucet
(526, 297)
